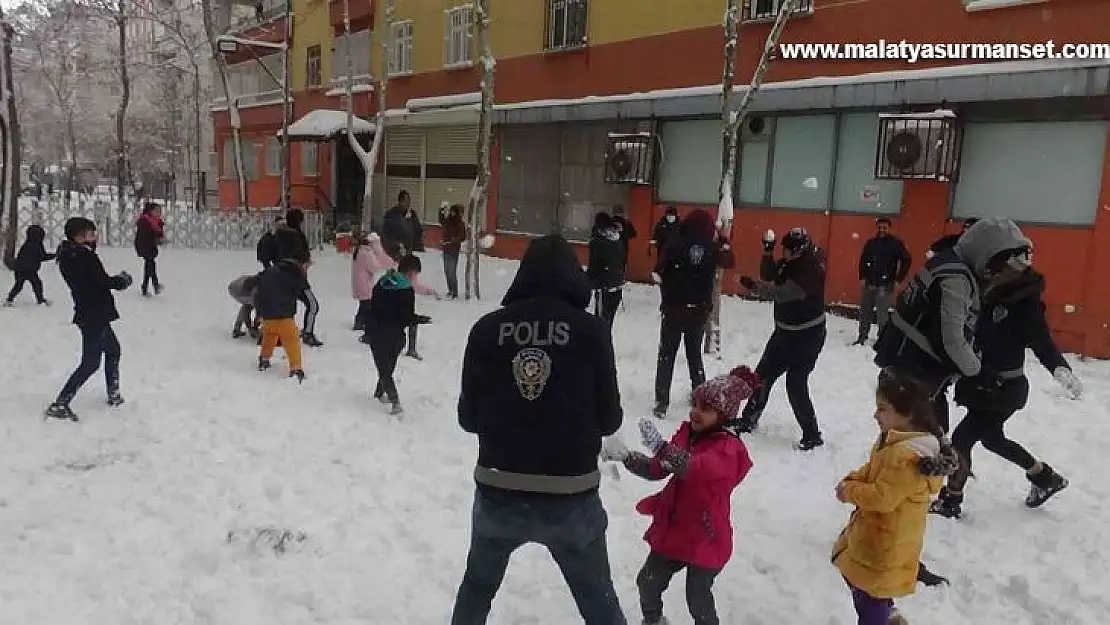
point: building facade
(1028, 138)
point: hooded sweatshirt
(32, 254)
(933, 327)
(368, 261)
(606, 265)
(539, 380)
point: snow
(124, 518)
(725, 208)
(937, 114)
(355, 90)
(444, 101)
(326, 123)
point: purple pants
(871, 611)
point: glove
(769, 242)
(748, 282)
(1067, 379)
(126, 277)
(422, 319)
(651, 437)
(656, 278)
(613, 449)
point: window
(458, 36)
(528, 185)
(1043, 172)
(690, 168)
(310, 166)
(856, 190)
(566, 24)
(360, 55)
(229, 159)
(251, 151)
(801, 163)
(400, 48)
(583, 191)
(269, 75)
(273, 156)
(769, 9)
(313, 70)
(755, 160)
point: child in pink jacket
(691, 527)
(368, 262)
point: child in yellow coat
(878, 552)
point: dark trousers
(150, 274)
(33, 279)
(874, 306)
(606, 304)
(793, 353)
(412, 338)
(246, 318)
(451, 272)
(656, 575)
(385, 349)
(571, 527)
(675, 329)
(311, 308)
(361, 314)
(97, 343)
(986, 427)
(871, 610)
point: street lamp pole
(286, 105)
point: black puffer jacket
(797, 287)
(278, 287)
(32, 254)
(539, 379)
(89, 284)
(1012, 320)
(605, 267)
(688, 266)
(884, 261)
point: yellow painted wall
(610, 21)
(311, 27)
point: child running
(368, 261)
(879, 550)
(242, 290)
(691, 526)
(32, 254)
(392, 309)
(276, 303)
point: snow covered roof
(444, 101)
(323, 124)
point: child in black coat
(392, 310)
(94, 310)
(30, 258)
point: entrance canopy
(325, 124)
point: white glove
(651, 437)
(656, 278)
(613, 449)
(1067, 379)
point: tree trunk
(366, 159)
(122, 170)
(13, 146)
(71, 175)
(479, 195)
(232, 103)
(198, 188)
(731, 126)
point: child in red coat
(690, 527)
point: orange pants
(286, 331)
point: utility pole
(286, 111)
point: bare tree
(9, 128)
(731, 124)
(479, 196)
(368, 160)
(232, 101)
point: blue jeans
(97, 343)
(451, 272)
(573, 530)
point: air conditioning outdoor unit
(919, 146)
(630, 157)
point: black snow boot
(299, 374)
(929, 578)
(810, 442)
(61, 412)
(660, 410)
(263, 364)
(1043, 485)
(948, 504)
(310, 339)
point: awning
(978, 82)
(324, 124)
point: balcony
(768, 10)
(360, 83)
(250, 100)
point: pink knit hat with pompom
(725, 393)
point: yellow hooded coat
(878, 552)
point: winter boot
(8, 303)
(395, 409)
(810, 442)
(896, 618)
(61, 412)
(158, 288)
(310, 339)
(1044, 485)
(948, 504)
(114, 397)
(46, 302)
(299, 374)
(662, 621)
(929, 578)
(412, 353)
(660, 410)
(263, 363)
(860, 341)
(237, 333)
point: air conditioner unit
(757, 128)
(629, 158)
(921, 146)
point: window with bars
(769, 9)
(309, 159)
(566, 24)
(313, 67)
(273, 156)
(458, 35)
(400, 48)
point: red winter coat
(692, 514)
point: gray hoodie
(989, 237)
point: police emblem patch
(999, 314)
(697, 254)
(531, 368)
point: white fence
(185, 226)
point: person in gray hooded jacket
(932, 331)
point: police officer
(539, 388)
(796, 284)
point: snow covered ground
(124, 518)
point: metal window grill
(566, 24)
(630, 157)
(768, 9)
(922, 146)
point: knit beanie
(725, 393)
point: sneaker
(114, 398)
(310, 339)
(158, 288)
(299, 374)
(412, 353)
(660, 410)
(8, 303)
(263, 364)
(896, 618)
(46, 302)
(809, 442)
(237, 334)
(1043, 485)
(929, 578)
(662, 621)
(396, 409)
(860, 341)
(948, 504)
(61, 412)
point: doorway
(349, 181)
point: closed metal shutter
(453, 144)
(404, 146)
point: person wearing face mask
(1013, 319)
(883, 264)
(796, 285)
(665, 230)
